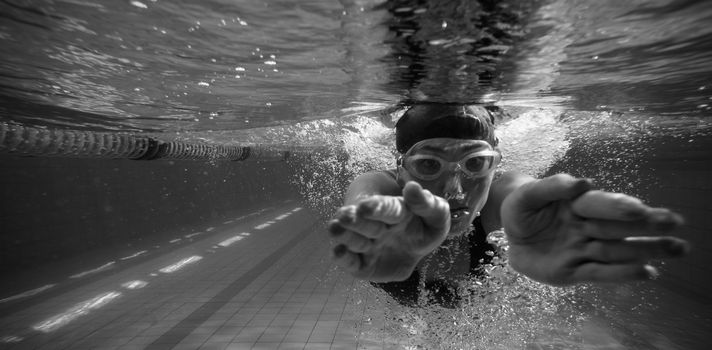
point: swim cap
(427, 121)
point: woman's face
(460, 171)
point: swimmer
(437, 206)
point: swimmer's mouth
(459, 212)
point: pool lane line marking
(11, 339)
(265, 225)
(231, 240)
(229, 222)
(57, 321)
(193, 234)
(134, 255)
(98, 269)
(39, 290)
(252, 214)
(135, 284)
(225, 243)
(181, 264)
(28, 293)
(281, 217)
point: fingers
(374, 216)
(434, 211)
(607, 205)
(539, 194)
(656, 222)
(613, 206)
(599, 272)
(348, 219)
(387, 209)
(354, 241)
(348, 260)
(637, 249)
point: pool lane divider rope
(42, 142)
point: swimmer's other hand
(562, 232)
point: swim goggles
(430, 166)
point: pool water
(119, 253)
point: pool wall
(55, 208)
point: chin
(459, 226)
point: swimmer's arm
(500, 189)
(372, 183)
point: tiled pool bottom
(274, 288)
(263, 281)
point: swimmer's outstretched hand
(382, 238)
(562, 232)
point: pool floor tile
(273, 290)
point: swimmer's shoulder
(503, 184)
(381, 182)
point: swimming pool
(618, 92)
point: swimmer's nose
(453, 185)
